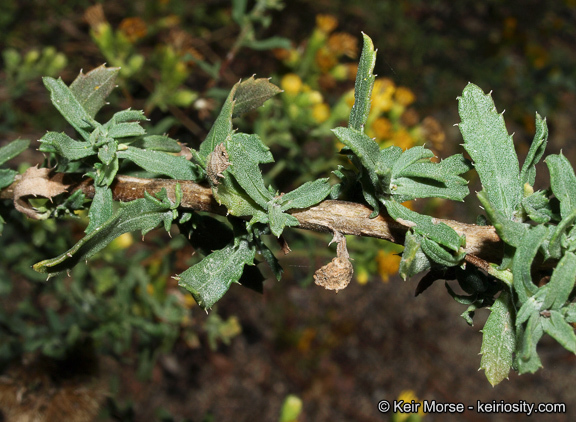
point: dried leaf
(337, 274)
(35, 182)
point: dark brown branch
(482, 243)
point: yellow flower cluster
(407, 396)
(303, 102)
(388, 264)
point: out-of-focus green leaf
(7, 177)
(498, 340)
(11, 150)
(92, 89)
(491, 149)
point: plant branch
(482, 243)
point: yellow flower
(291, 84)
(326, 23)
(362, 276)
(388, 264)
(133, 28)
(320, 112)
(403, 139)
(382, 128)
(325, 59)
(407, 396)
(342, 43)
(349, 98)
(382, 94)
(404, 96)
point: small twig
(349, 218)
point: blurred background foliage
(178, 62)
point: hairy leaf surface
(211, 278)
(491, 148)
(498, 340)
(363, 87)
(142, 214)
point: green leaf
(491, 149)
(101, 208)
(127, 115)
(236, 201)
(221, 129)
(561, 283)
(557, 328)
(269, 43)
(537, 206)
(307, 195)
(363, 86)
(424, 225)
(414, 261)
(157, 143)
(278, 219)
(498, 340)
(126, 130)
(14, 148)
(415, 176)
(252, 93)
(510, 231)
(558, 234)
(92, 89)
(268, 256)
(142, 214)
(245, 153)
(7, 177)
(65, 146)
(364, 147)
(409, 157)
(440, 255)
(69, 107)
(176, 167)
(528, 173)
(562, 182)
(211, 278)
(527, 360)
(521, 266)
(107, 152)
(106, 173)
